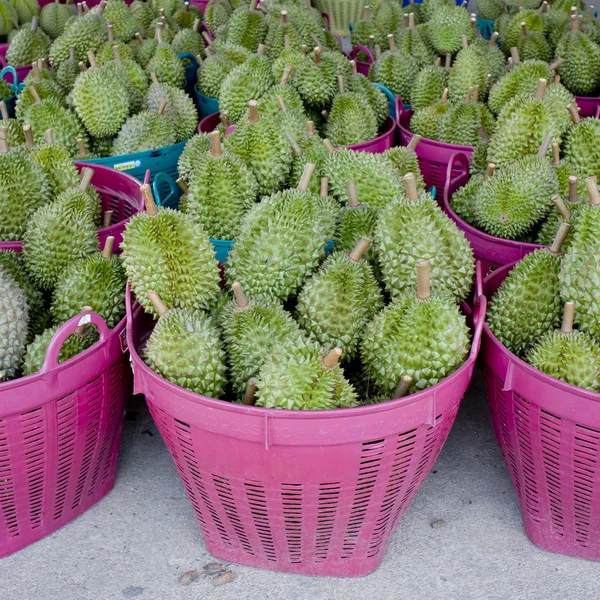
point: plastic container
(433, 156)
(587, 106)
(549, 435)
(60, 431)
(209, 123)
(14, 86)
(22, 72)
(485, 27)
(311, 492)
(492, 252)
(191, 72)
(118, 192)
(361, 66)
(201, 4)
(206, 105)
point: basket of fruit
(542, 384)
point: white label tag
(124, 166)
(85, 320)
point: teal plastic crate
(485, 27)
(15, 86)
(191, 72)
(206, 105)
(391, 101)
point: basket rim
(136, 155)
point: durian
(28, 45)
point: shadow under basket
(309, 492)
(60, 431)
(549, 435)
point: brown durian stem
(4, 111)
(49, 136)
(391, 42)
(377, 51)
(405, 21)
(469, 94)
(3, 140)
(568, 318)
(592, 190)
(316, 40)
(253, 106)
(100, 8)
(340, 82)
(215, 143)
(411, 20)
(556, 64)
(250, 394)
(560, 238)
(353, 67)
(28, 136)
(307, 174)
(324, 191)
(159, 305)
(423, 280)
(260, 50)
(353, 201)
(331, 359)
(448, 62)
(294, 144)
(371, 45)
(544, 146)
(438, 62)
(574, 23)
(491, 169)
(556, 79)
(34, 93)
(475, 95)
(325, 114)
(284, 17)
(464, 40)
(92, 59)
(79, 9)
(493, 40)
(183, 185)
(80, 331)
(149, 202)
(199, 59)
(310, 128)
(207, 38)
(572, 197)
(82, 66)
(162, 106)
(111, 33)
(286, 42)
(159, 38)
(154, 78)
(524, 29)
(555, 153)
(81, 146)
(138, 37)
(543, 7)
(196, 25)
(36, 71)
(366, 13)
(410, 185)
(416, 138)
(565, 213)
(240, 299)
(591, 11)
(282, 105)
(360, 249)
(108, 247)
(328, 145)
(317, 55)
(514, 54)
(574, 111)
(403, 386)
(444, 98)
(107, 219)
(541, 88)
(224, 117)
(86, 178)
(287, 74)
(116, 53)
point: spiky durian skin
(582, 147)
(188, 40)
(250, 334)
(27, 46)
(14, 321)
(469, 70)
(397, 72)
(428, 86)
(170, 254)
(460, 124)
(361, 33)
(424, 121)
(193, 153)
(217, 13)
(580, 71)
(180, 109)
(15, 131)
(124, 21)
(495, 61)
(446, 27)
(425, 339)
(338, 301)
(517, 197)
(145, 131)
(166, 66)
(168, 31)
(88, 202)
(223, 190)
(490, 9)
(265, 148)
(351, 120)
(169, 6)
(66, 74)
(317, 84)
(528, 303)
(571, 357)
(23, 189)
(185, 348)
(82, 33)
(247, 28)
(53, 18)
(56, 162)
(296, 379)
(414, 41)
(512, 34)
(269, 102)
(377, 181)
(47, 90)
(406, 161)
(463, 199)
(354, 223)
(145, 52)
(534, 47)
(313, 151)
(7, 15)
(73, 345)
(281, 242)
(411, 231)
(212, 73)
(373, 95)
(26, 10)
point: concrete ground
(140, 539)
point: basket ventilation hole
(329, 496)
(7, 490)
(66, 416)
(33, 431)
(255, 493)
(291, 499)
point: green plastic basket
(342, 13)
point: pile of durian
(294, 323)
(550, 284)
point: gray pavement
(140, 539)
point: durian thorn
(592, 190)
(444, 98)
(116, 53)
(574, 112)
(80, 331)
(284, 17)
(286, 42)
(438, 61)
(34, 93)
(565, 213)
(281, 103)
(493, 39)
(464, 40)
(572, 197)
(241, 300)
(366, 13)
(448, 62)
(3, 140)
(371, 44)
(403, 386)
(574, 23)
(162, 106)
(253, 106)
(514, 54)
(207, 38)
(4, 111)
(28, 136)
(159, 305)
(324, 191)
(107, 251)
(423, 280)
(153, 77)
(294, 144)
(253, 6)
(410, 185)
(332, 358)
(416, 138)
(325, 114)
(490, 170)
(360, 249)
(215, 143)
(224, 116)
(340, 82)
(309, 169)
(138, 37)
(411, 20)
(261, 49)
(555, 153)
(544, 146)
(81, 146)
(250, 393)
(86, 178)
(149, 202)
(353, 201)
(183, 185)
(328, 145)
(72, 53)
(560, 237)
(317, 41)
(111, 34)
(310, 128)
(568, 318)
(92, 59)
(196, 25)
(524, 29)
(391, 42)
(542, 86)
(469, 94)
(36, 71)
(49, 136)
(542, 7)
(317, 55)
(483, 134)
(377, 51)
(107, 218)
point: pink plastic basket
(433, 156)
(22, 72)
(60, 431)
(361, 66)
(587, 106)
(118, 192)
(492, 252)
(312, 492)
(201, 4)
(549, 435)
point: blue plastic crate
(206, 105)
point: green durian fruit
(8, 17)
(26, 10)
(15, 132)
(143, 12)
(193, 153)
(463, 199)
(247, 27)
(222, 191)
(495, 59)
(490, 9)
(428, 86)
(558, 23)
(368, 33)
(420, 335)
(186, 15)
(244, 83)
(168, 6)
(281, 35)
(569, 355)
(265, 148)
(580, 67)
(180, 108)
(527, 303)
(166, 65)
(145, 50)
(14, 322)
(532, 45)
(430, 7)
(72, 346)
(281, 241)
(211, 74)
(6, 91)
(252, 327)
(185, 348)
(405, 160)
(389, 16)
(235, 52)
(377, 181)
(359, 84)
(34, 92)
(53, 17)
(81, 197)
(582, 145)
(447, 26)
(28, 45)
(338, 301)
(534, 22)
(68, 72)
(270, 103)
(288, 58)
(469, 71)
(124, 21)
(133, 77)
(106, 53)
(23, 189)
(217, 13)
(101, 102)
(168, 28)
(188, 40)
(562, 212)
(415, 229)
(165, 251)
(413, 40)
(316, 80)
(301, 378)
(56, 162)
(425, 121)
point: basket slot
(33, 431)
(550, 432)
(229, 506)
(66, 416)
(291, 500)
(255, 494)
(329, 498)
(7, 488)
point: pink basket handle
(399, 109)
(128, 306)
(364, 49)
(479, 310)
(460, 161)
(66, 329)
(326, 17)
(479, 277)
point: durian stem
(568, 318)
(423, 280)
(405, 21)
(411, 20)
(92, 59)
(35, 21)
(159, 305)
(36, 71)
(215, 144)
(159, 39)
(294, 144)
(317, 55)
(353, 67)
(524, 29)
(493, 40)
(284, 17)
(153, 77)
(79, 9)
(184, 186)
(80, 331)
(469, 94)
(28, 136)
(360, 249)
(100, 9)
(465, 41)
(82, 66)
(444, 98)
(116, 53)
(328, 145)
(403, 386)
(565, 213)
(366, 13)
(253, 106)
(544, 146)
(331, 359)
(108, 247)
(316, 40)
(287, 73)
(4, 111)
(475, 95)
(240, 299)
(391, 42)
(225, 119)
(199, 59)
(111, 34)
(371, 45)
(72, 53)
(43, 63)
(250, 394)
(474, 21)
(138, 37)
(162, 106)
(572, 189)
(377, 51)
(556, 64)
(3, 140)
(196, 25)
(560, 238)
(34, 93)
(543, 7)
(491, 169)
(282, 105)
(556, 79)
(340, 82)
(149, 202)
(514, 54)
(410, 185)
(253, 6)
(591, 11)
(307, 174)
(49, 136)
(542, 85)
(555, 153)
(574, 111)
(260, 50)
(448, 63)
(574, 23)
(325, 114)
(592, 190)
(86, 178)
(438, 62)
(352, 194)
(81, 146)
(416, 138)
(324, 191)
(107, 219)
(310, 128)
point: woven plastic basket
(433, 156)
(549, 435)
(118, 192)
(22, 72)
(492, 252)
(60, 431)
(312, 492)
(341, 13)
